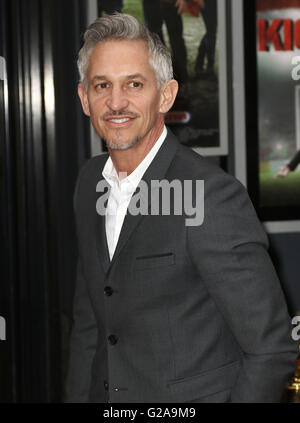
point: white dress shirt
(122, 189)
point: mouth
(120, 122)
(123, 120)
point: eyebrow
(136, 76)
(99, 78)
(105, 78)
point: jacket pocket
(205, 384)
(155, 260)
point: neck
(126, 161)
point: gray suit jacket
(181, 313)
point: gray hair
(121, 26)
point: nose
(117, 99)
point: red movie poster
(278, 59)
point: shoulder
(229, 215)
(190, 165)
(222, 191)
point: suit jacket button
(108, 291)
(106, 385)
(112, 339)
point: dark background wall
(44, 141)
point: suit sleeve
(229, 251)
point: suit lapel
(156, 171)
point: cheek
(150, 109)
(97, 106)
(153, 111)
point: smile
(119, 120)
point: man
(207, 47)
(156, 12)
(164, 311)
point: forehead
(118, 57)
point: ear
(168, 95)
(84, 99)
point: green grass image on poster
(279, 192)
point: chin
(121, 145)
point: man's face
(122, 99)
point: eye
(101, 86)
(135, 84)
